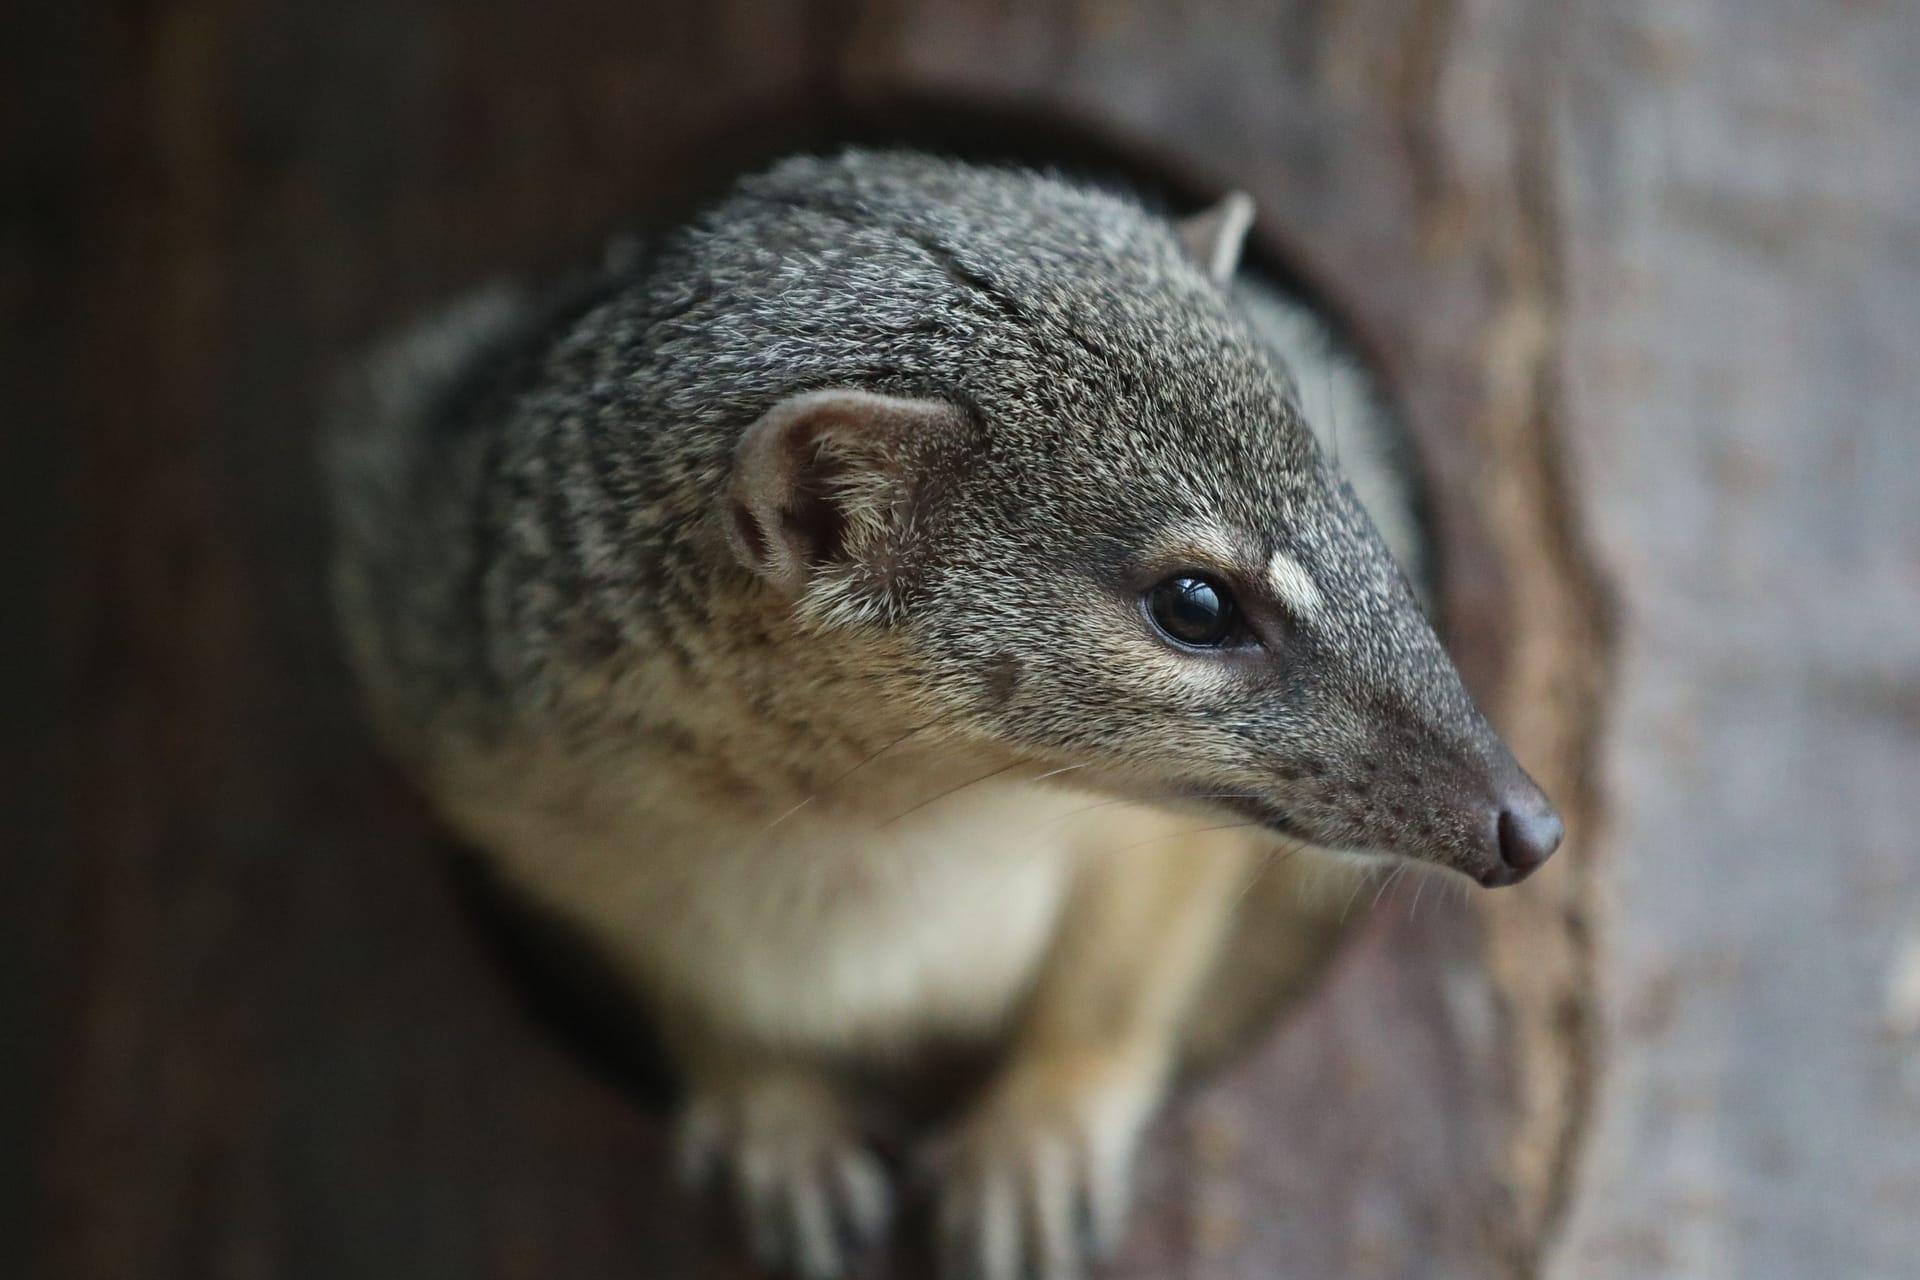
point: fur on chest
(829, 930)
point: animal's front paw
(805, 1188)
(1038, 1177)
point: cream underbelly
(828, 934)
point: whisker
(768, 829)
(1085, 808)
(1054, 773)
(1274, 855)
(1150, 800)
(834, 783)
(1195, 831)
(1333, 410)
(1363, 883)
(933, 799)
(1418, 889)
(1386, 884)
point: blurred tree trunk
(1646, 277)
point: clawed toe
(1038, 1184)
(807, 1194)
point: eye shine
(1194, 611)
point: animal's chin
(1275, 818)
(1265, 813)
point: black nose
(1530, 830)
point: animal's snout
(1530, 831)
(1524, 831)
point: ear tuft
(1217, 236)
(825, 485)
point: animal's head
(1052, 460)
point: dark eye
(1194, 611)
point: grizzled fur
(563, 515)
(770, 604)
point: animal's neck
(740, 709)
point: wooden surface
(1645, 276)
(1742, 353)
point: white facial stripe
(1296, 590)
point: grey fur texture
(534, 493)
(769, 602)
(1342, 406)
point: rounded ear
(1216, 236)
(827, 487)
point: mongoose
(890, 611)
